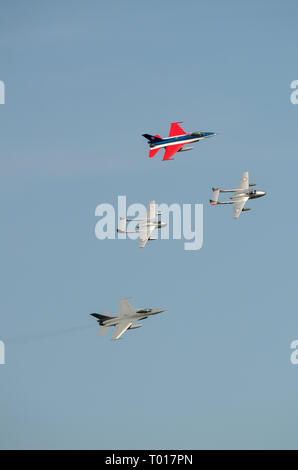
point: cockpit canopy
(145, 310)
(198, 133)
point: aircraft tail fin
(215, 194)
(102, 330)
(153, 139)
(122, 225)
(101, 317)
(153, 152)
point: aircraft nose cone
(210, 134)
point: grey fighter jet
(241, 195)
(125, 319)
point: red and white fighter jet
(175, 142)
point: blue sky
(83, 81)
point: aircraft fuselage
(251, 194)
(181, 139)
(140, 314)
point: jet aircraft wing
(148, 226)
(125, 308)
(239, 203)
(244, 182)
(171, 150)
(120, 328)
(176, 130)
(145, 232)
(151, 210)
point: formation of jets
(178, 138)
